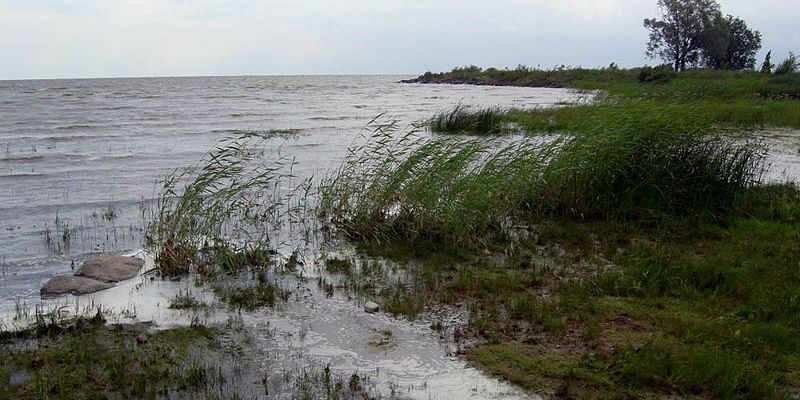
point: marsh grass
(464, 120)
(667, 202)
(405, 186)
(629, 174)
(87, 359)
(217, 216)
(725, 99)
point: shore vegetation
(628, 247)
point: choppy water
(84, 157)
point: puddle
(310, 331)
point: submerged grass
(221, 204)
(91, 360)
(216, 219)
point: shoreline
(594, 266)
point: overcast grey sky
(108, 38)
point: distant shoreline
(459, 81)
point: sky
(118, 38)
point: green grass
(92, 361)
(635, 253)
(720, 99)
(466, 191)
(462, 120)
(680, 212)
(694, 307)
(217, 216)
(634, 83)
(703, 114)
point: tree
(788, 65)
(678, 37)
(766, 67)
(728, 43)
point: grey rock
(371, 307)
(111, 268)
(141, 339)
(19, 378)
(63, 284)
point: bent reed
(466, 191)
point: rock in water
(111, 268)
(63, 284)
(371, 307)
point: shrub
(787, 66)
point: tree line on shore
(696, 34)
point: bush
(660, 74)
(787, 66)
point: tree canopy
(694, 32)
(730, 44)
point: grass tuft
(463, 120)
(218, 216)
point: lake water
(83, 156)
(80, 162)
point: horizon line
(200, 76)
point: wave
(22, 175)
(251, 114)
(116, 108)
(51, 89)
(23, 158)
(75, 126)
(340, 118)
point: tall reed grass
(403, 184)
(220, 213)
(463, 120)
(468, 190)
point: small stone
(111, 268)
(141, 339)
(77, 285)
(371, 307)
